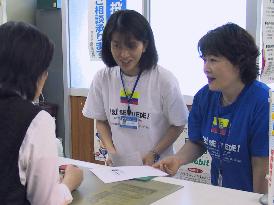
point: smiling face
(127, 52)
(222, 75)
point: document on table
(115, 174)
(131, 192)
(63, 160)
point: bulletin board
(267, 72)
(267, 76)
(271, 149)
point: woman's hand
(148, 159)
(108, 161)
(169, 165)
(73, 177)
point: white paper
(115, 174)
(63, 161)
(132, 159)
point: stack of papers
(115, 174)
(63, 161)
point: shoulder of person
(106, 72)
(205, 95)
(164, 73)
(204, 91)
(261, 87)
(164, 76)
(259, 91)
(43, 125)
(43, 118)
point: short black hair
(237, 45)
(25, 54)
(129, 23)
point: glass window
(176, 31)
(82, 69)
(178, 26)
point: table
(192, 193)
(195, 193)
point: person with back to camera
(137, 104)
(28, 156)
(229, 116)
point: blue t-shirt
(240, 132)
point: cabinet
(48, 4)
(82, 132)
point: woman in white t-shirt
(137, 104)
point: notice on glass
(267, 74)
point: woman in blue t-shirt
(229, 116)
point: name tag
(129, 122)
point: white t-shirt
(157, 102)
(38, 163)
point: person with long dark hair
(137, 104)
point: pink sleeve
(38, 164)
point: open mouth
(210, 79)
(125, 63)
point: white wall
(21, 10)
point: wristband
(155, 155)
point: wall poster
(267, 73)
(99, 12)
(271, 148)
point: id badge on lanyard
(220, 178)
(221, 149)
(227, 134)
(128, 122)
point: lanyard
(129, 98)
(225, 136)
(227, 132)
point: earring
(41, 98)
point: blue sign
(115, 5)
(101, 11)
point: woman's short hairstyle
(25, 54)
(130, 23)
(237, 45)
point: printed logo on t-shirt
(124, 98)
(223, 126)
